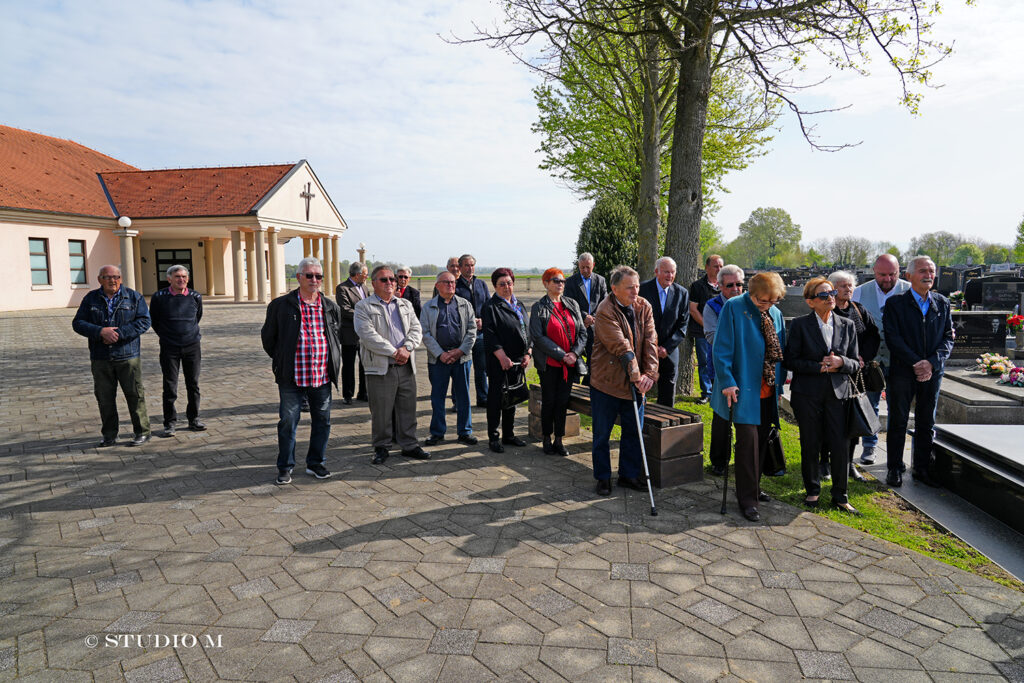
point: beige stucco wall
(101, 248)
(286, 206)
(150, 283)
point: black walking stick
(725, 483)
(639, 432)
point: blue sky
(426, 148)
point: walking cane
(725, 483)
(640, 433)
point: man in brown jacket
(625, 356)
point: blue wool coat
(738, 354)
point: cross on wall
(307, 195)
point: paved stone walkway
(468, 567)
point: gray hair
(403, 269)
(730, 269)
(621, 272)
(355, 268)
(453, 259)
(174, 269)
(665, 259)
(920, 257)
(464, 257)
(110, 265)
(585, 256)
(309, 261)
(842, 276)
(378, 269)
(441, 275)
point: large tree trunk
(685, 200)
(649, 200)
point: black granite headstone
(794, 305)
(949, 280)
(978, 332)
(1001, 296)
(973, 287)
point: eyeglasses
(557, 280)
(110, 277)
(765, 302)
(825, 295)
(386, 279)
(734, 285)
(446, 282)
(314, 276)
(402, 277)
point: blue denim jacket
(131, 318)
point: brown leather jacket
(613, 338)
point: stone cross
(307, 195)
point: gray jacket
(543, 346)
(428, 321)
(375, 348)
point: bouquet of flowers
(994, 364)
(1015, 377)
(957, 299)
(1014, 323)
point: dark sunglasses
(386, 279)
(314, 276)
(825, 295)
(402, 277)
(557, 280)
(734, 285)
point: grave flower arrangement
(994, 364)
(1014, 323)
(957, 299)
(1015, 377)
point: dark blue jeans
(320, 416)
(479, 369)
(700, 343)
(604, 409)
(899, 392)
(440, 375)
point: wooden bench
(674, 438)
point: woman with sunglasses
(507, 344)
(822, 354)
(558, 338)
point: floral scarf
(772, 349)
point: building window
(39, 260)
(76, 257)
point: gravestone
(1001, 296)
(973, 287)
(949, 280)
(793, 306)
(978, 332)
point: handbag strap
(858, 383)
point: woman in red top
(558, 338)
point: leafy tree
(996, 253)
(940, 245)
(767, 234)
(849, 250)
(609, 233)
(813, 258)
(1018, 244)
(710, 235)
(968, 253)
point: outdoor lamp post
(124, 235)
(362, 252)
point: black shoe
(107, 443)
(702, 400)
(894, 478)
(380, 454)
(418, 453)
(752, 514)
(560, 449)
(140, 439)
(812, 503)
(849, 509)
(604, 487)
(925, 478)
(170, 429)
(763, 497)
(826, 471)
(348, 401)
(547, 447)
(513, 441)
(196, 425)
(635, 483)
(284, 476)
(855, 473)
(868, 456)
(433, 440)
(468, 439)
(318, 471)
(718, 470)
(496, 446)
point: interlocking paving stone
(287, 508)
(251, 589)
(132, 622)
(395, 512)
(317, 531)
(1012, 670)
(163, 671)
(693, 545)
(549, 603)
(453, 641)
(888, 622)
(425, 478)
(264, 489)
(486, 565)
(630, 571)
(393, 596)
(225, 555)
(95, 522)
(632, 652)
(7, 608)
(350, 558)
(288, 630)
(830, 665)
(835, 552)
(8, 570)
(345, 676)
(118, 581)
(774, 579)
(204, 527)
(436, 536)
(7, 658)
(105, 549)
(713, 611)
(186, 504)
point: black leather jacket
(280, 335)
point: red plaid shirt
(311, 352)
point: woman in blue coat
(748, 373)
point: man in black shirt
(176, 312)
(700, 292)
(474, 290)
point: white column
(328, 269)
(250, 265)
(124, 237)
(137, 255)
(306, 249)
(236, 263)
(275, 264)
(208, 262)
(316, 247)
(261, 266)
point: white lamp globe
(124, 222)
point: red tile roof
(229, 191)
(41, 173)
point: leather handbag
(513, 388)
(874, 378)
(862, 420)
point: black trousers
(554, 392)
(667, 371)
(495, 415)
(188, 359)
(721, 441)
(750, 445)
(588, 353)
(349, 359)
(823, 419)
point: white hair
(842, 276)
(731, 269)
(403, 269)
(174, 269)
(919, 257)
(585, 256)
(665, 259)
(309, 261)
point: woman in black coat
(506, 344)
(821, 351)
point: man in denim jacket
(113, 318)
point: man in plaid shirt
(302, 336)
